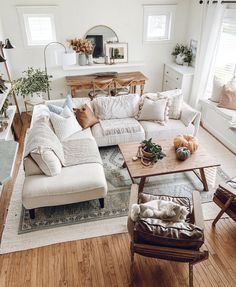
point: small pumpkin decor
(183, 153)
(188, 141)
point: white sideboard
(178, 77)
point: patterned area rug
(117, 200)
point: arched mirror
(99, 36)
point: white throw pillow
(47, 161)
(175, 102)
(119, 107)
(216, 89)
(65, 126)
(188, 115)
(154, 110)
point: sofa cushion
(188, 115)
(171, 129)
(73, 184)
(64, 126)
(227, 99)
(69, 103)
(114, 139)
(31, 167)
(85, 116)
(176, 102)
(125, 106)
(154, 110)
(47, 161)
(217, 89)
(55, 109)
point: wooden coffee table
(170, 164)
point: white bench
(219, 122)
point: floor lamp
(68, 59)
(8, 45)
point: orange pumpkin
(188, 141)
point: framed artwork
(117, 52)
(193, 47)
(97, 41)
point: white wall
(76, 17)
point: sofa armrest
(196, 120)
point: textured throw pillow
(69, 103)
(55, 109)
(188, 115)
(85, 116)
(125, 106)
(30, 167)
(227, 99)
(65, 126)
(216, 90)
(47, 161)
(154, 110)
(175, 102)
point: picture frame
(97, 41)
(116, 52)
(193, 47)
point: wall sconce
(65, 59)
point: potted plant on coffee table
(151, 151)
(32, 84)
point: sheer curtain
(212, 18)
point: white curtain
(212, 18)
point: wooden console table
(85, 82)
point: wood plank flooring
(105, 261)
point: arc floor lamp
(67, 59)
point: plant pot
(180, 59)
(82, 59)
(90, 59)
(35, 97)
(146, 154)
(186, 64)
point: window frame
(158, 10)
(26, 11)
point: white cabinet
(178, 77)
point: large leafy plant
(154, 149)
(32, 81)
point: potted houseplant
(151, 150)
(3, 88)
(183, 55)
(33, 84)
(84, 48)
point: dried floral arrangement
(81, 45)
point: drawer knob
(177, 78)
(167, 72)
(166, 81)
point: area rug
(86, 220)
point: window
(38, 24)
(226, 55)
(158, 22)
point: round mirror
(99, 36)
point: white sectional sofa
(75, 183)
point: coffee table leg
(124, 165)
(141, 184)
(203, 177)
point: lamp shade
(2, 59)
(8, 45)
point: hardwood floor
(104, 261)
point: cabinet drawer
(173, 74)
(169, 84)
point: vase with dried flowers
(83, 47)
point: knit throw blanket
(81, 151)
(120, 126)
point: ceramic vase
(82, 59)
(180, 59)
